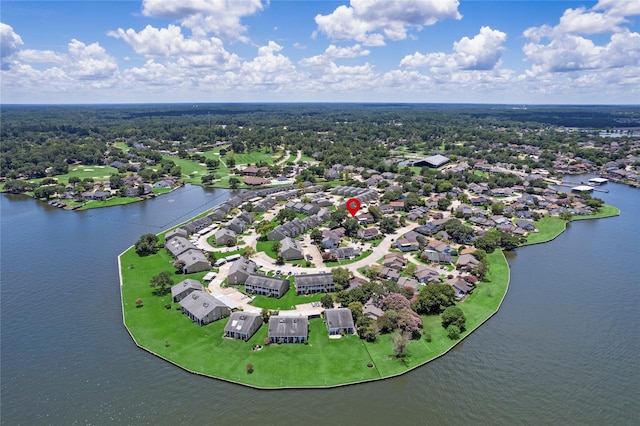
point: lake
(562, 349)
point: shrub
(249, 368)
(453, 332)
(138, 302)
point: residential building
(290, 250)
(225, 237)
(266, 286)
(203, 308)
(339, 321)
(314, 283)
(184, 288)
(242, 325)
(194, 261)
(288, 329)
(240, 271)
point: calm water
(562, 350)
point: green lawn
(255, 157)
(348, 261)
(267, 248)
(549, 227)
(173, 336)
(97, 173)
(192, 171)
(115, 201)
(286, 302)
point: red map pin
(353, 205)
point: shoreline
(384, 369)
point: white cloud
(40, 56)
(221, 17)
(10, 42)
(573, 53)
(370, 22)
(333, 52)
(482, 52)
(170, 42)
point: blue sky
(521, 52)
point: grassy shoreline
(550, 227)
(170, 335)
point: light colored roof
(338, 318)
(280, 326)
(200, 303)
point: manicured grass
(286, 302)
(549, 227)
(348, 261)
(161, 190)
(115, 201)
(267, 248)
(605, 211)
(192, 171)
(173, 336)
(255, 157)
(97, 173)
(477, 308)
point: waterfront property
(288, 329)
(243, 325)
(203, 308)
(184, 288)
(339, 321)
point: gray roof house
(288, 329)
(240, 271)
(237, 225)
(339, 321)
(266, 286)
(314, 283)
(178, 245)
(408, 282)
(242, 325)
(290, 250)
(194, 261)
(203, 308)
(184, 288)
(178, 232)
(223, 235)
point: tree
(453, 315)
(327, 301)
(341, 278)
(444, 203)
(248, 251)
(453, 332)
(285, 215)
(388, 225)
(277, 245)
(497, 208)
(147, 244)
(411, 268)
(138, 302)
(338, 215)
(409, 322)
(231, 162)
(316, 236)
(434, 299)
(265, 315)
(400, 343)
(162, 283)
(395, 301)
(280, 260)
(179, 264)
(234, 182)
(566, 216)
(357, 312)
(351, 227)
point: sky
(425, 51)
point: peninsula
(286, 283)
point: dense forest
(40, 141)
